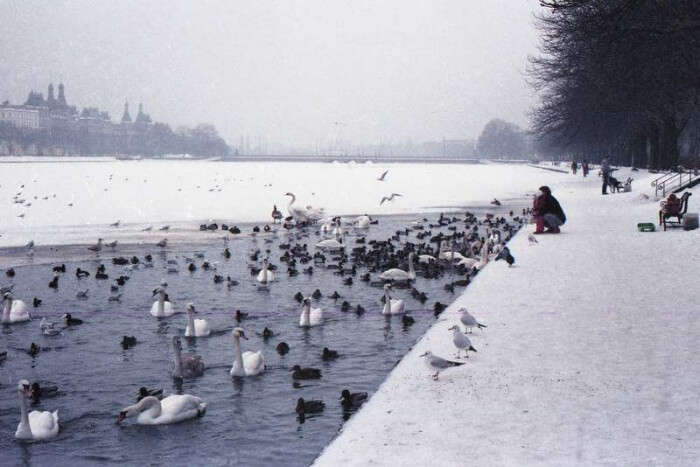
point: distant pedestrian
(547, 212)
(585, 168)
(605, 172)
(574, 166)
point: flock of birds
(419, 249)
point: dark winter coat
(548, 204)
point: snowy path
(590, 355)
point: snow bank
(83, 197)
(589, 356)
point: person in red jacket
(547, 212)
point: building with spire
(126, 117)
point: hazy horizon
(299, 73)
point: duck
(407, 320)
(54, 282)
(14, 311)
(310, 317)
(46, 391)
(239, 315)
(245, 363)
(128, 342)
(305, 373)
(145, 392)
(80, 273)
(276, 214)
(329, 354)
(82, 294)
(36, 303)
(311, 406)
(392, 306)
(282, 348)
(317, 294)
(10, 272)
(161, 307)
(34, 425)
(352, 400)
(396, 274)
(172, 409)
(70, 321)
(265, 275)
(186, 365)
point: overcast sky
(388, 70)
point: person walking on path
(574, 166)
(547, 212)
(605, 171)
(584, 168)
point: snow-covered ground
(590, 355)
(83, 197)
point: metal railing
(672, 182)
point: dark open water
(249, 421)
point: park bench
(667, 212)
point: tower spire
(126, 118)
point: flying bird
(389, 198)
(381, 177)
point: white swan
(362, 222)
(307, 214)
(13, 311)
(196, 327)
(265, 275)
(396, 274)
(34, 425)
(332, 244)
(484, 256)
(392, 306)
(425, 259)
(186, 365)
(308, 316)
(173, 409)
(445, 253)
(161, 308)
(247, 363)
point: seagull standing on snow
(469, 321)
(531, 238)
(438, 363)
(461, 341)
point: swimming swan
(265, 275)
(186, 365)
(397, 274)
(13, 311)
(247, 363)
(308, 316)
(392, 306)
(172, 409)
(161, 308)
(196, 327)
(34, 425)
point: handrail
(668, 184)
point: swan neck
(7, 305)
(150, 403)
(237, 354)
(178, 361)
(24, 416)
(305, 314)
(190, 324)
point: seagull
(165, 227)
(163, 243)
(438, 363)
(147, 229)
(461, 341)
(532, 239)
(389, 198)
(97, 247)
(381, 177)
(111, 244)
(469, 321)
(115, 224)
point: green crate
(646, 227)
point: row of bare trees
(619, 79)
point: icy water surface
(249, 421)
